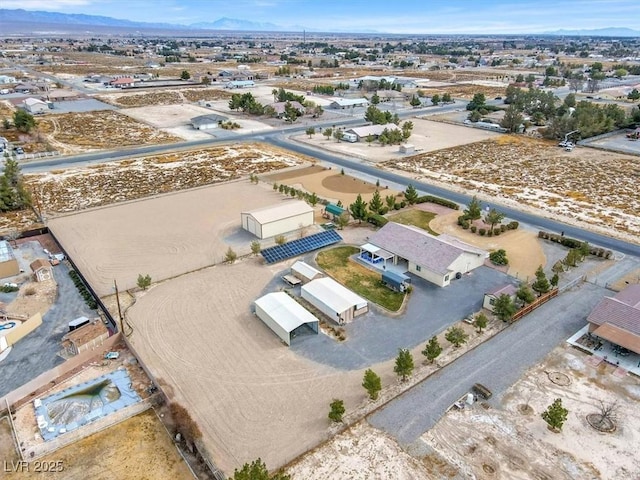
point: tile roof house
(436, 259)
(617, 319)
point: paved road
(533, 220)
(497, 364)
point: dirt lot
(136, 449)
(76, 132)
(427, 136)
(163, 237)
(329, 184)
(251, 395)
(509, 443)
(526, 172)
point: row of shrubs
(82, 289)
(466, 225)
(377, 219)
(439, 201)
(574, 243)
(8, 288)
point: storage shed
(287, 216)
(333, 211)
(41, 269)
(337, 302)
(305, 272)
(284, 315)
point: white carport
(284, 315)
(337, 302)
(373, 254)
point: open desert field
(510, 442)
(76, 132)
(533, 173)
(163, 237)
(252, 397)
(427, 136)
(136, 449)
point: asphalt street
(497, 364)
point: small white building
(491, 297)
(207, 122)
(342, 103)
(337, 302)
(371, 130)
(35, 106)
(284, 315)
(284, 217)
(305, 272)
(41, 269)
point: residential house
(207, 122)
(240, 84)
(122, 82)
(35, 106)
(280, 108)
(374, 130)
(617, 319)
(491, 296)
(435, 259)
(342, 103)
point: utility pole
(115, 286)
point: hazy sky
(408, 16)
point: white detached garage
(337, 302)
(287, 216)
(284, 315)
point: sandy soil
(165, 116)
(136, 449)
(524, 249)
(162, 236)
(524, 172)
(519, 446)
(329, 184)
(34, 297)
(250, 395)
(427, 136)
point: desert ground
(510, 442)
(163, 237)
(137, 449)
(426, 136)
(524, 172)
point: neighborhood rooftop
(416, 245)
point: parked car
(482, 391)
(19, 150)
(112, 355)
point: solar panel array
(300, 246)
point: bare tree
(608, 412)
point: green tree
(255, 247)
(313, 199)
(407, 128)
(474, 209)
(230, 256)
(327, 132)
(338, 134)
(14, 194)
(375, 99)
(336, 410)
(205, 81)
(570, 100)
(555, 415)
(512, 119)
(432, 349)
(358, 209)
(541, 285)
(435, 99)
(24, 121)
(415, 101)
(390, 200)
(446, 98)
(411, 194)
(144, 281)
(504, 308)
(404, 364)
(478, 102)
(343, 220)
(584, 249)
(634, 94)
(524, 294)
(375, 205)
(554, 280)
(372, 384)
(185, 75)
(456, 336)
(494, 217)
(480, 322)
(311, 131)
(369, 139)
(257, 470)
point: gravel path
(497, 364)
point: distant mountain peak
(598, 32)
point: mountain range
(27, 21)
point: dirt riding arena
(251, 396)
(163, 237)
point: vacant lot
(76, 132)
(427, 136)
(534, 173)
(136, 449)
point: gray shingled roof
(623, 310)
(418, 246)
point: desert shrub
(503, 228)
(403, 204)
(497, 231)
(499, 257)
(465, 225)
(513, 225)
(8, 289)
(489, 233)
(482, 232)
(377, 220)
(473, 229)
(397, 206)
(462, 219)
(384, 210)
